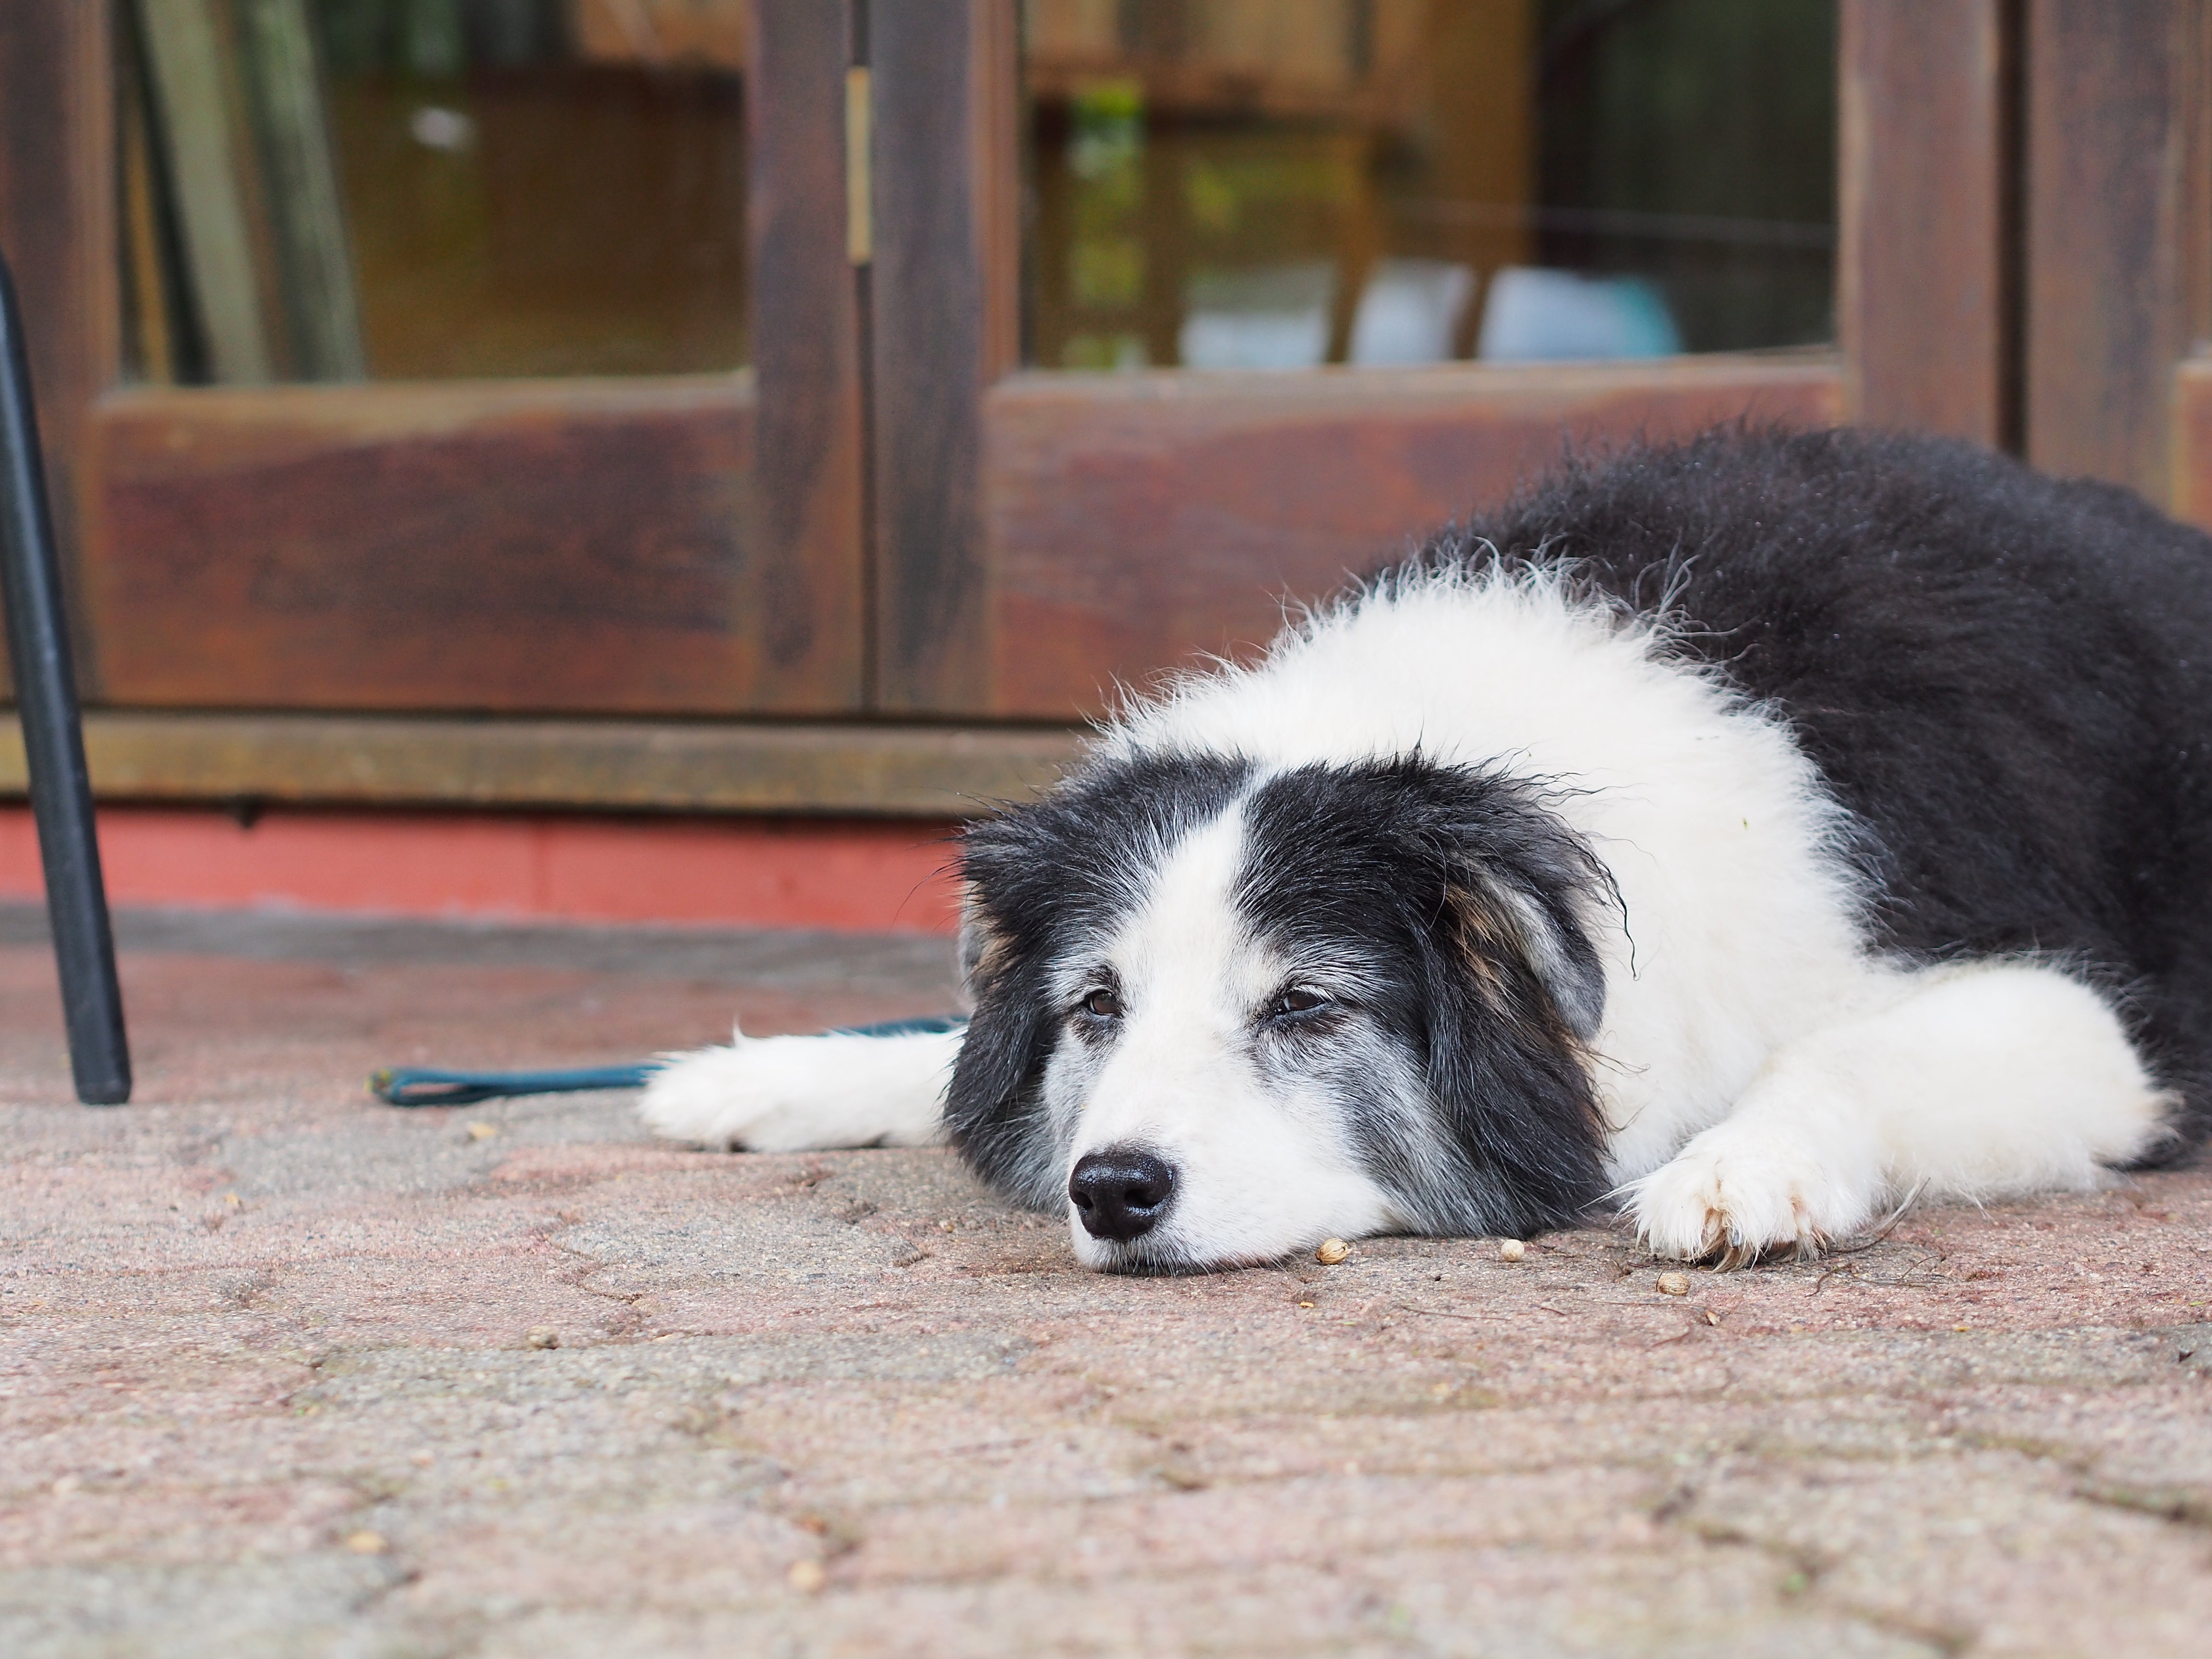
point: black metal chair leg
(53, 742)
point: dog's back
(2005, 678)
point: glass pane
(324, 189)
(1276, 184)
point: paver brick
(267, 1384)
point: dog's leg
(800, 1093)
(1982, 1081)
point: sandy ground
(268, 1383)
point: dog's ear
(1542, 928)
(1518, 999)
(1516, 1096)
(982, 947)
(993, 1109)
(1520, 890)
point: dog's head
(1222, 1014)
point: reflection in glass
(1276, 184)
(319, 190)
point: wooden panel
(1137, 518)
(57, 231)
(941, 288)
(809, 524)
(2109, 92)
(659, 33)
(1921, 301)
(2192, 442)
(907, 771)
(678, 545)
(546, 546)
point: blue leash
(424, 1086)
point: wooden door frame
(58, 228)
(760, 471)
(2118, 246)
(1927, 118)
(798, 415)
(982, 469)
(1928, 147)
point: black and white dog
(1753, 832)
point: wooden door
(1043, 533)
(443, 538)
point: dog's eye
(1296, 1002)
(1102, 1005)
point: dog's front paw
(705, 1096)
(1739, 1192)
(790, 1094)
(747, 1096)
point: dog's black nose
(1120, 1192)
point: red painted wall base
(847, 875)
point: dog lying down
(1751, 833)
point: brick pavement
(267, 1384)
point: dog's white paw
(1739, 1191)
(724, 1097)
(791, 1094)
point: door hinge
(860, 206)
